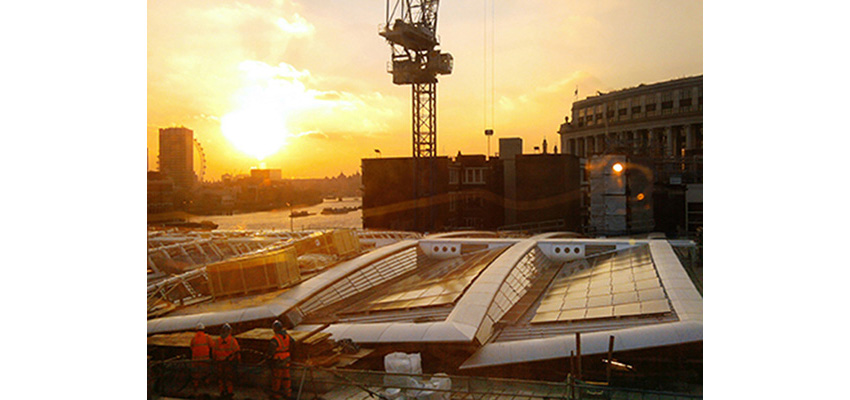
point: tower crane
(411, 31)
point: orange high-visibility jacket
(282, 350)
(201, 346)
(225, 347)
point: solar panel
(412, 294)
(618, 285)
(647, 284)
(623, 287)
(580, 284)
(625, 298)
(550, 306)
(570, 304)
(388, 298)
(446, 298)
(622, 276)
(645, 274)
(654, 306)
(546, 317)
(601, 281)
(624, 310)
(574, 295)
(560, 291)
(651, 294)
(421, 302)
(599, 291)
(435, 290)
(599, 301)
(600, 312)
(570, 315)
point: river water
(279, 219)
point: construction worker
(201, 349)
(280, 360)
(226, 354)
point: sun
(257, 131)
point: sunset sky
(302, 85)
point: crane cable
(489, 58)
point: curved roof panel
(521, 300)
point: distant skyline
(302, 86)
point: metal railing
(174, 377)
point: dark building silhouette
(262, 174)
(175, 156)
(548, 188)
(160, 193)
(398, 193)
(513, 191)
(475, 200)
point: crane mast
(411, 30)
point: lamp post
(488, 133)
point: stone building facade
(659, 120)
(658, 128)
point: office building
(263, 174)
(661, 120)
(175, 156)
(656, 131)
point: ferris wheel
(201, 166)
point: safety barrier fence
(173, 378)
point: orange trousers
(200, 371)
(226, 374)
(281, 380)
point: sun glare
(258, 132)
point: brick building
(513, 191)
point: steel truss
(424, 120)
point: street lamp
(488, 133)
(379, 152)
(617, 167)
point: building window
(666, 102)
(685, 100)
(650, 107)
(453, 176)
(473, 176)
(622, 108)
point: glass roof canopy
(621, 284)
(431, 284)
(518, 299)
